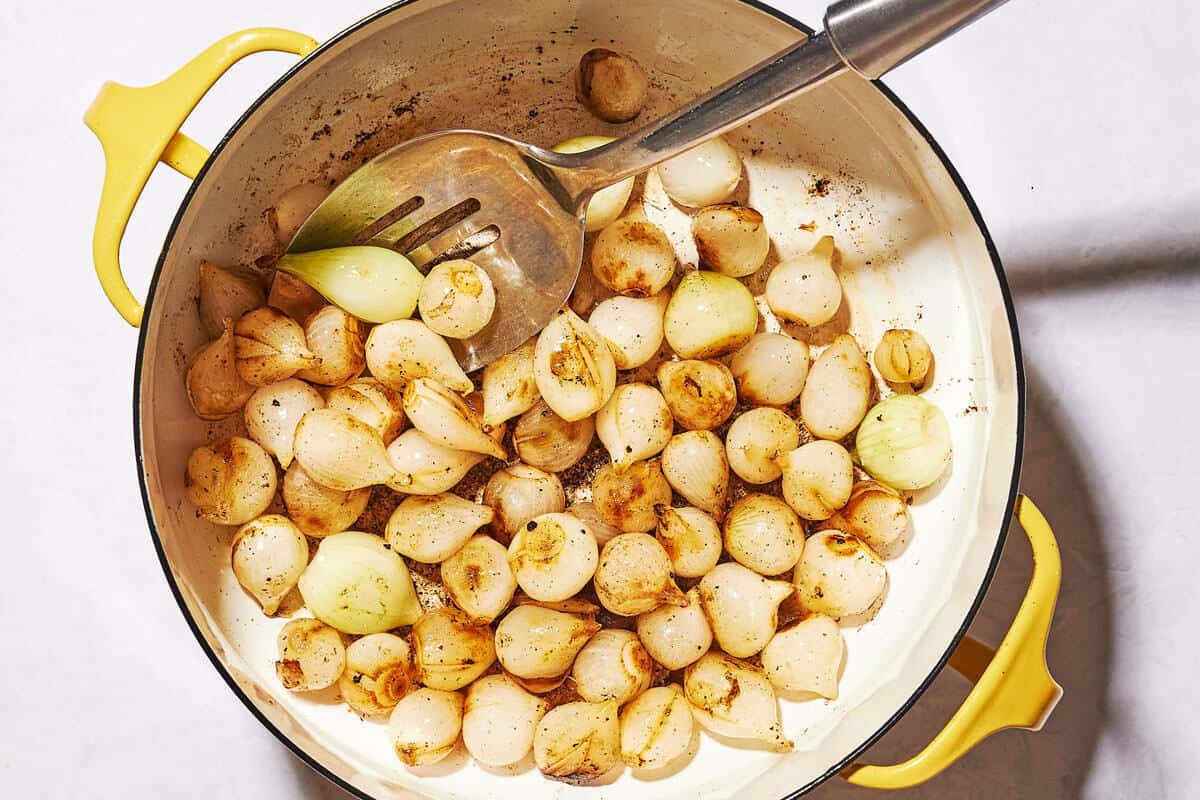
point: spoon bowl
(466, 194)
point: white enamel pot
(847, 160)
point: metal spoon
(517, 210)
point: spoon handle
(866, 36)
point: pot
(848, 160)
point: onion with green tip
(356, 584)
(372, 283)
(904, 442)
(709, 315)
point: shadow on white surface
(1097, 253)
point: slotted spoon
(517, 210)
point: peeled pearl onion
(269, 555)
(691, 538)
(553, 557)
(756, 440)
(675, 636)
(230, 481)
(806, 657)
(634, 424)
(378, 673)
(608, 203)
(631, 326)
(613, 665)
(318, 510)
(731, 239)
(694, 464)
(633, 257)
(311, 655)
(479, 578)
(742, 607)
(839, 575)
(770, 369)
(273, 412)
(817, 478)
(805, 289)
(731, 697)
(578, 740)
(573, 367)
(706, 174)
(424, 726)
(457, 299)
(634, 576)
(763, 533)
(499, 720)
(656, 728)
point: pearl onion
(731, 697)
(631, 326)
(675, 636)
(692, 540)
(763, 533)
(378, 673)
(633, 257)
(479, 578)
(742, 607)
(839, 575)
(508, 386)
(318, 510)
(731, 239)
(230, 481)
(608, 203)
(756, 440)
(553, 557)
(875, 513)
(837, 391)
(518, 494)
(817, 478)
(535, 642)
(634, 424)
(311, 655)
(805, 289)
(273, 412)
(700, 394)
(634, 576)
(449, 650)
(573, 367)
(457, 299)
(269, 555)
(499, 720)
(770, 369)
(545, 440)
(694, 464)
(431, 528)
(578, 740)
(903, 356)
(806, 657)
(706, 174)
(656, 728)
(424, 726)
(613, 665)
(709, 315)
(371, 402)
(627, 499)
(426, 467)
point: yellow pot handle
(139, 126)
(1013, 688)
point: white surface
(1074, 125)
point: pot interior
(842, 161)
